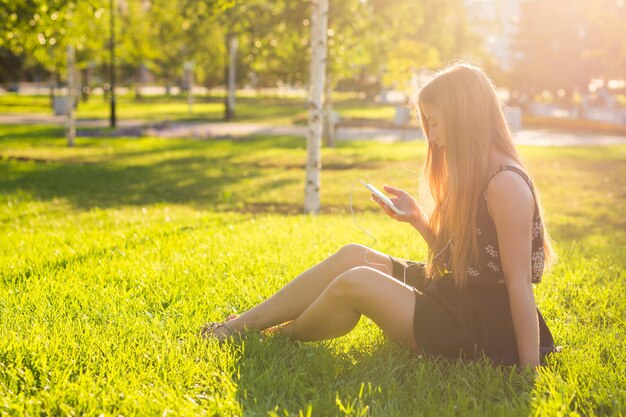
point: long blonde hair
(457, 175)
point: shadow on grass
(221, 175)
(253, 174)
(30, 134)
(99, 185)
(286, 377)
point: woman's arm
(415, 215)
(511, 205)
(421, 225)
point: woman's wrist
(420, 223)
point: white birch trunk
(71, 81)
(329, 122)
(319, 26)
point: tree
(11, 66)
(319, 22)
(41, 30)
(273, 40)
(182, 31)
(418, 35)
(242, 24)
(136, 49)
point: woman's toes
(219, 331)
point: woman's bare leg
(362, 290)
(295, 297)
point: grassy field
(279, 110)
(115, 252)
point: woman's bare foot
(220, 330)
(230, 328)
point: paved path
(202, 130)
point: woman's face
(436, 127)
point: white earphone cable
(376, 241)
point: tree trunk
(329, 122)
(231, 77)
(51, 85)
(189, 65)
(71, 87)
(319, 25)
(168, 83)
(85, 90)
(140, 76)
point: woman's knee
(351, 250)
(352, 255)
(350, 283)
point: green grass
(11, 103)
(264, 109)
(113, 254)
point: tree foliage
(41, 30)
(561, 44)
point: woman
(487, 245)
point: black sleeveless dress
(476, 321)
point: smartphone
(383, 197)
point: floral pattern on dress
(493, 266)
(492, 251)
(472, 271)
(537, 262)
(488, 270)
(537, 228)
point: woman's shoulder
(506, 166)
(509, 192)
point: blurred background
(560, 62)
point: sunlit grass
(266, 109)
(113, 253)
(14, 103)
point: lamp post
(113, 120)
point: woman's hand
(414, 213)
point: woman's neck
(498, 158)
